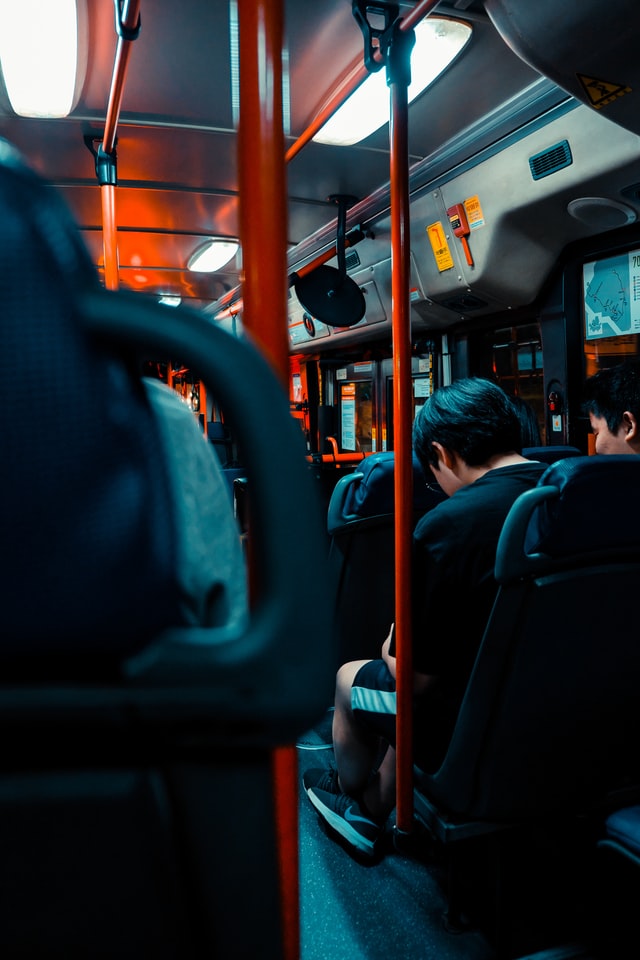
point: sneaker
(343, 815)
(321, 779)
(319, 737)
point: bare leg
(379, 795)
(355, 749)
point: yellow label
(601, 92)
(440, 247)
(475, 216)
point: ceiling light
(438, 42)
(170, 301)
(213, 255)
(39, 54)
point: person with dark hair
(611, 400)
(467, 436)
(529, 427)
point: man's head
(611, 400)
(472, 420)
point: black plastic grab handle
(279, 673)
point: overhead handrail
(128, 28)
(235, 303)
(352, 80)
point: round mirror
(330, 297)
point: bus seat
(136, 779)
(361, 551)
(617, 880)
(219, 438)
(550, 454)
(622, 833)
(549, 724)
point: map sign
(612, 296)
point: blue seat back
(550, 721)
(368, 492)
(121, 764)
(550, 454)
(85, 510)
(360, 522)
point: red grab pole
(263, 232)
(128, 26)
(399, 75)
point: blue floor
(389, 910)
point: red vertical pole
(129, 20)
(263, 232)
(263, 196)
(109, 236)
(402, 410)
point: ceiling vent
(464, 303)
(550, 160)
(351, 259)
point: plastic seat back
(551, 454)
(550, 719)
(136, 784)
(360, 523)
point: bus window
(513, 357)
(422, 386)
(610, 312)
(356, 416)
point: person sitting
(467, 436)
(611, 400)
(209, 564)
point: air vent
(464, 304)
(555, 158)
(351, 259)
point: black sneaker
(321, 779)
(344, 815)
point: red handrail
(403, 470)
(356, 75)
(263, 232)
(130, 18)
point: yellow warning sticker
(601, 92)
(439, 245)
(474, 212)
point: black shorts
(373, 701)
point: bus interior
(486, 225)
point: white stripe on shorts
(373, 701)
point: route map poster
(612, 296)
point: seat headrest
(595, 508)
(85, 511)
(373, 495)
(550, 454)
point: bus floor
(393, 907)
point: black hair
(611, 391)
(529, 426)
(472, 417)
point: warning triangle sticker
(601, 92)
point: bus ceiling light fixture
(213, 255)
(43, 54)
(438, 43)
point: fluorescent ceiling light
(213, 255)
(438, 42)
(39, 42)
